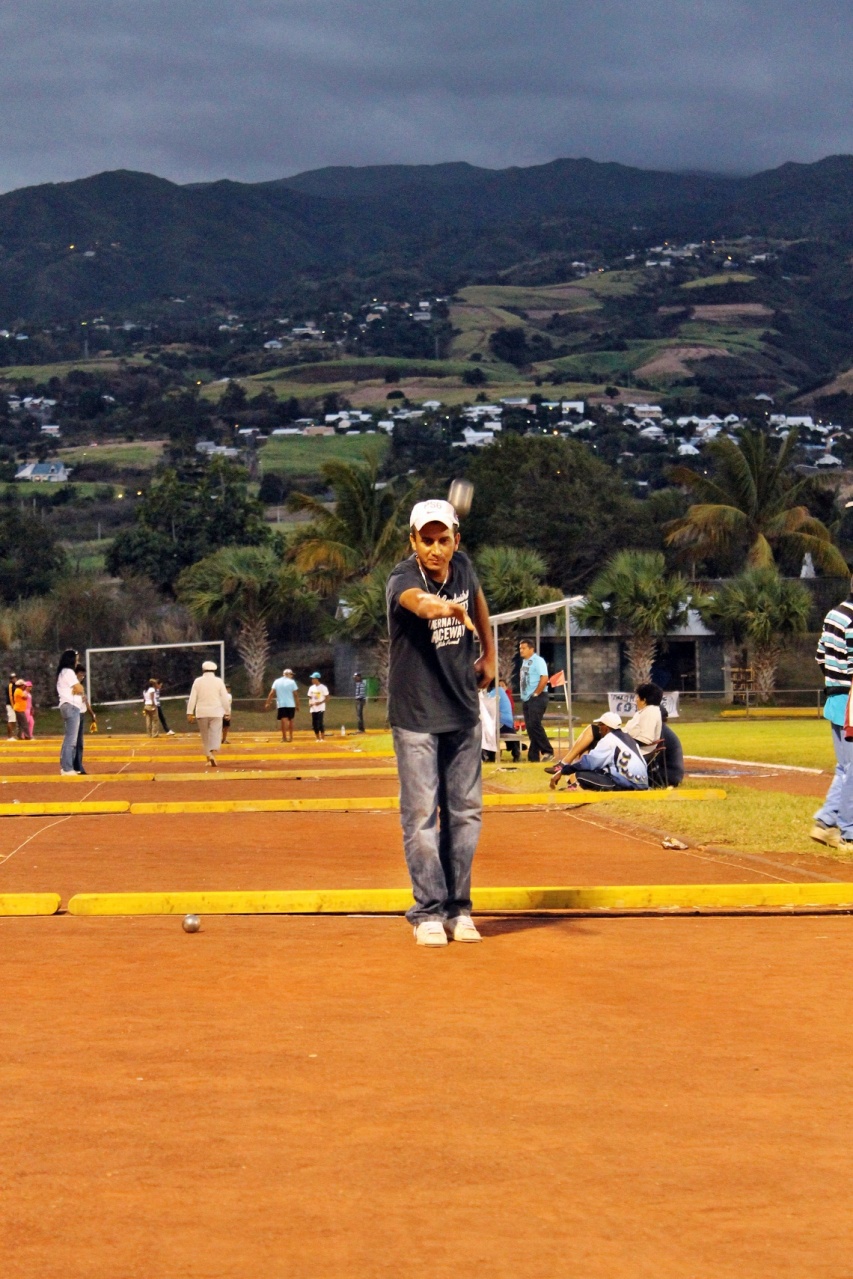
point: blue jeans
(838, 806)
(71, 726)
(78, 748)
(440, 774)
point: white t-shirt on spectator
(645, 726)
(317, 694)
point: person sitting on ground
(645, 724)
(613, 763)
(673, 755)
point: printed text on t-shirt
(449, 630)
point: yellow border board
(644, 897)
(390, 803)
(29, 903)
(224, 759)
(63, 808)
(212, 775)
(49, 779)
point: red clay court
(311, 1096)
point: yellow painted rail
(212, 775)
(660, 897)
(63, 808)
(390, 803)
(29, 903)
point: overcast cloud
(196, 90)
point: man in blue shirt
(534, 700)
(833, 823)
(286, 700)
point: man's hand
(191, 718)
(485, 668)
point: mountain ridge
(122, 238)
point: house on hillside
(44, 472)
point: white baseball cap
(433, 511)
(208, 666)
(287, 671)
(609, 719)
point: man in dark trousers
(534, 701)
(435, 607)
(360, 694)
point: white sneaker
(461, 928)
(67, 772)
(430, 932)
(170, 733)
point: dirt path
(318, 1098)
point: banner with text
(626, 703)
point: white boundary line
(756, 763)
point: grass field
(140, 455)
(727, 277)
(43, 372)
(300, 455)
(752, 820)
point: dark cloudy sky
(255, 89)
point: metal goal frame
(139, 648)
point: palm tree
(634, 596)
(362, 617)
(753, 502)
(247, 587)
(511, 578)
(367, 527)
(762, 610)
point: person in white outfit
(208, 704)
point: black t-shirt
(432, 684)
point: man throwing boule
(435, 608)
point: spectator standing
(360, 694)
(31, 719)
(285, 690)
(11, 721)
(158, 699)
(208, 705)
(19, 704)
(435, 605)
(534, 700)
(226, 719)
(149, 709)
(69, 692)
(833, 823)
(317, 696)
(83, 700)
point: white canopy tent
(535, 613)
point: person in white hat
(435, 608)
(603, 758)
(208, 704)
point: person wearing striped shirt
(833, 823)
(360, 694)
